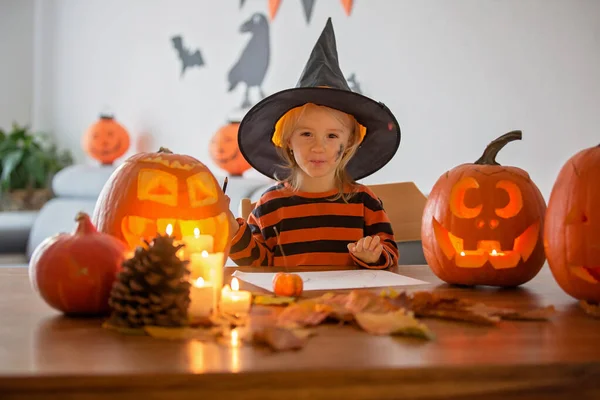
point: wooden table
(46, 356)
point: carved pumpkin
(162, 192)
(289, 285)
(106, 140)
(572, 226)
(74, 272)
(225, 152)
(483, 223)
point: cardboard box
(404, 204)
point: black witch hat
(322, 83)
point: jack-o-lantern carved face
(106, 140)
(155, 193)
(572, 227)
(482, 224)
(225, 152)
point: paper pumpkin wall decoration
(483, 223)
(162, 192)
(572, 226)
(225, 152)
(106, 140)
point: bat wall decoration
(188, 58)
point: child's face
(319, 140)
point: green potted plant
(28, 162)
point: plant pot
(24, 199)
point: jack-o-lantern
(225, 152)
(106, 140)
(162, 192)
(572, 226)
(483, 223)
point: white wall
(16, 62)
(456, 73)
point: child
(327, 137)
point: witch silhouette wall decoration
(188, 58)
(253, 63)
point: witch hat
(322, 83)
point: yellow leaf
(180, 333)
(272, 300)
(393, 323)
(123, 329)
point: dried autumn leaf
(427, 304)
(303, 313)
(590, 308)
(123, 329)
(393, 323)
(534, 314)
(280, 339)
(368, 302)
(182, 333)
(272, 300)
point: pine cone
(152, 287)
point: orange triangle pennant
(273, 8)
(347, 6)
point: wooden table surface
(44, 355)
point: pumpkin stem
(491, 151)
(84, 224)
(164, 150)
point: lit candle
(201, 298)
(198, 243)
(233, 300)
(210, 268)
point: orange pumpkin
(74, 272)
(572, 226)
(151, 192)
(225, 152)
(286, 284)
(106, 140)
(483, 223)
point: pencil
(225, 184)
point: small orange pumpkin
(225, 152)
(286, 284)
(572, 227)
(483, 223)
(106, 140)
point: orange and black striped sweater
(313, 229)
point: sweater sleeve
(248, 246)
(377, 223)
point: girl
(317, 214)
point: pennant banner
(307, 5)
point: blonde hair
(285, 127)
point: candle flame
(235, 338)
(235, 284)
(199, 282)
(169, 229)
(196, 233)
(204, 253)
(462, 253)
(494, 252)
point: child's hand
(367, 249)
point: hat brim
(378, 147)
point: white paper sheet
(331, 280)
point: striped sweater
(313, 229)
